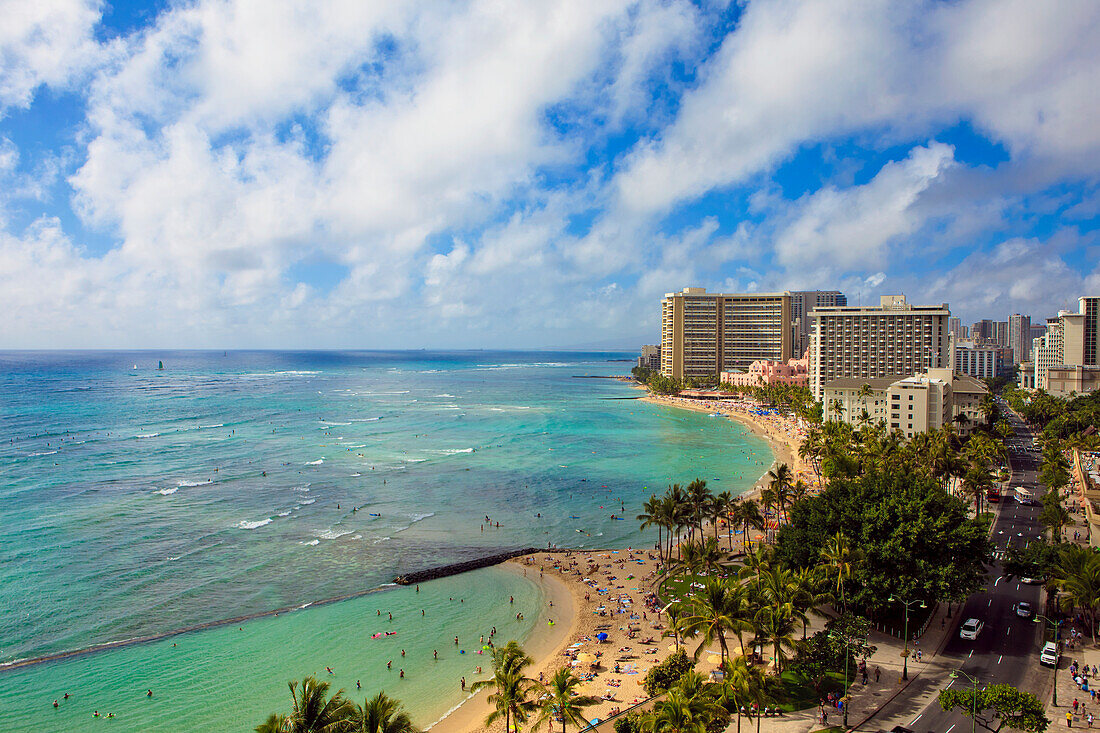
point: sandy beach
(606, 591)
(593, 592)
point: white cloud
(45, 42)
(808, 71)
(852, 229)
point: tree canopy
(1008, 707)
(914, 540)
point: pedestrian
(1075, 703)
(463, 683)
(1090, 720)
(876, 674)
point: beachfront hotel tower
(895, 339)
(704, 334)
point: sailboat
(160, 365)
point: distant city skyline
(223, 174)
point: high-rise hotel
(703, 334)
(896, 339)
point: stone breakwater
(465, 566)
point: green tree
(315, 712)
(667, 673)
(916, 541)
(511, 689)
(382, 714)
(561, 700)
(838, 560)
(1010, 708)
(275, 723)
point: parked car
(971, 628)
(1023, 609)
(1048, 657)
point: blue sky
(236, 173)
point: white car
(970, 629)
(1023, 609)
(1049, 656)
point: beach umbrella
(601, 636)
(714, 659)
(586, 657)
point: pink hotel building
(795, 371)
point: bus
(994, 494)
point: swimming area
(141, 500)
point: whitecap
(167, 492)
(307, 502)
(445, 395)
(324, 423)
(146, 435)
(381, 539)
(318, 462)
(43, 453)
(331, 534)
(283, 514)
(245, 524)
(422, 517)
(301, 489)
(312, 543)
(186, 484)
(215, 425)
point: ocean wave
(311, 543)
(296, 373)
(139, 436)
(366, 419)
(381, 539)
(307, 502)
(283, 514)
(302, 489)
(43, 453)
(422, 517)
(326, 423)
(332, 534)
(357, 445)
(215, 425)
(167, 492)
(452, 451)
(245, 524)
(188, 484)
(445, 395)
(318, 462)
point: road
(1007, 649)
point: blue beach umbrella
(601, 636)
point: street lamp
(905, 654)
(1057, 628)
(973, 697)
(846, 699)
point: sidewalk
(926, 678)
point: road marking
(951, 728)
(949, 684)
(990, 601)
(968, 656)
(1000, 658)
(1008, 631)
(916, 718)
(998, 580)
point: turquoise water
(138, 501)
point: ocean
(138, 500)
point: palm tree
(275, 723)
(750, 517)
(1081, 589)
(743, 686)
(725, 505)
(698, 496)
(315, 712)
(651, 516)
(382, 714)
(838, 558)
(511, 688)
(562, 700)
(711, 614)
(779, 480)
(679, 713)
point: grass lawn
(799, 694)
(676, 587)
